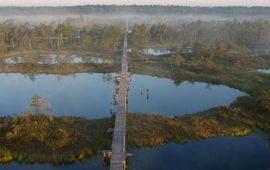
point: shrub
(265, 102)
(5, 155)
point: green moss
(68, 158)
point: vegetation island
(32, 137)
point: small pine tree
(35, 104)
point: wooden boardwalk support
(118, 155)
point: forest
(65, 36)
(248, 34)
(48, 37)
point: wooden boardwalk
(118, 159)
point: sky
(138, 2)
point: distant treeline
(249, 34)
(14, 37)
(134, 9)
(64, 36)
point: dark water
(95, 163)
(90, 95)
(218, 153)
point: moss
(5, 155)
(68, 158)
(240, 131)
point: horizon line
(127, 5)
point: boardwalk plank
(118, 142)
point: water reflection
(160, 95)
(52, 59)
(14, 60)
(165, 51)
(156, 51)
(266, 71)
(82, 94)
(91, 95)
